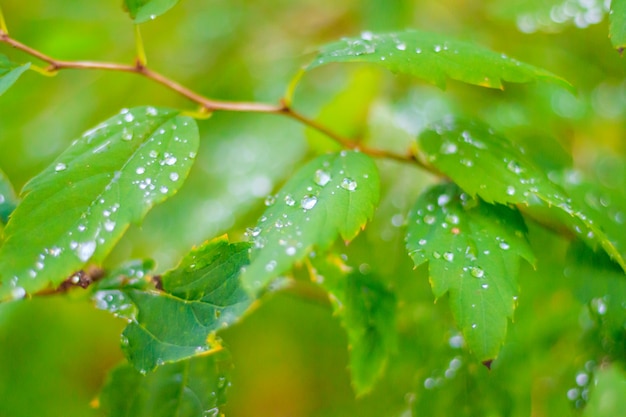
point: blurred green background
(290, 355)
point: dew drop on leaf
(270, 200)
(85, 250)
(477, 272)
(289, 200)
(308, 202)
(348, 184)
(322, 177)
(60, 167)
(448, 256)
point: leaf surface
(473, 250)
(200, 296)
(332, 195)
(617, 25)
(80, 206)
(8, 199)
(433, 58)
(192, 388)
(608, 393)
(143, 10)
(9, 72)
(367, 311)
(486, 164)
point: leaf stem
(209, 105)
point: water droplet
(443, 199)
(54, 251)
(127, 134)
(151, 111)
(348, 184)
(477, 272)
(582, 379)
(504, 246)
(510, 190)
(169, 160)
(448, 256)
(436, 255)
(289, 200)
(448, 148)
(152, 16)
(367, 35)
(271, 265)
(484, 286)
(129, 117)
(422, 242)
(290, 250)
(85, 250)
(474, 326)
(140, 170)
(514, 167)
(270, 200)
(18, 293)
(418, 50)
(437, 48)
(60, 167)
(428, 219)
(401, 46)
(308, 202)
(109, 225)
(174, 176)
(322, 177)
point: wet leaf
(608, 393)
(143, 10)
(200, 296)
(8, 199)
(367, 311)
(486, 164)
(192, 388)
(617, 27)
(9, 72)
(434, 58)
(473, 250)
(333, 195)
(81, 205)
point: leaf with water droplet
(144, 10)
(9, 72)
(617, 26)
(200, 296)
(434, 58)
(191, 388)
(8, 199)
(367, 311)
(478, 273)
(502, 173)
(72, 215)
(322, 213)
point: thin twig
(208, 104)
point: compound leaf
(488, 165)
(80, 206)
(9, 72)
(192, 388)
(473, 250)
(434, 58)
(334, 194)
(200, 296)
(617, 27)
(143, 10)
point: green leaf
(486, 164)
(80, 206)
(202, 295)
(608, 393)
(434, 58)
(332, 195)
(9, 72)
(192, 388)
(617, 27)
(143, 10)
(367, 311)
(473, 250)
(8, 199)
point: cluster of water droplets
(581, 13)
(579, 394)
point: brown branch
(208, 104)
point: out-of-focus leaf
(367, 311)
(202, 295)
(143, 10)
(617, 28)
(346, 112)
(434, 58)
(332, 195)
(9, 72)
(8, 199)
(80, 206)
(488, 165)
(608, 394)
(473, 250)
(192, 388)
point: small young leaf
(80, 206)
(9, 73)
(617, 27)
(367, 312)
(8, 200)
(434, 58)
(192, 388)
(334, 194)
(488, 165)
(473, 250)
(202, 295)
(143, 10)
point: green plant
(479, 190)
